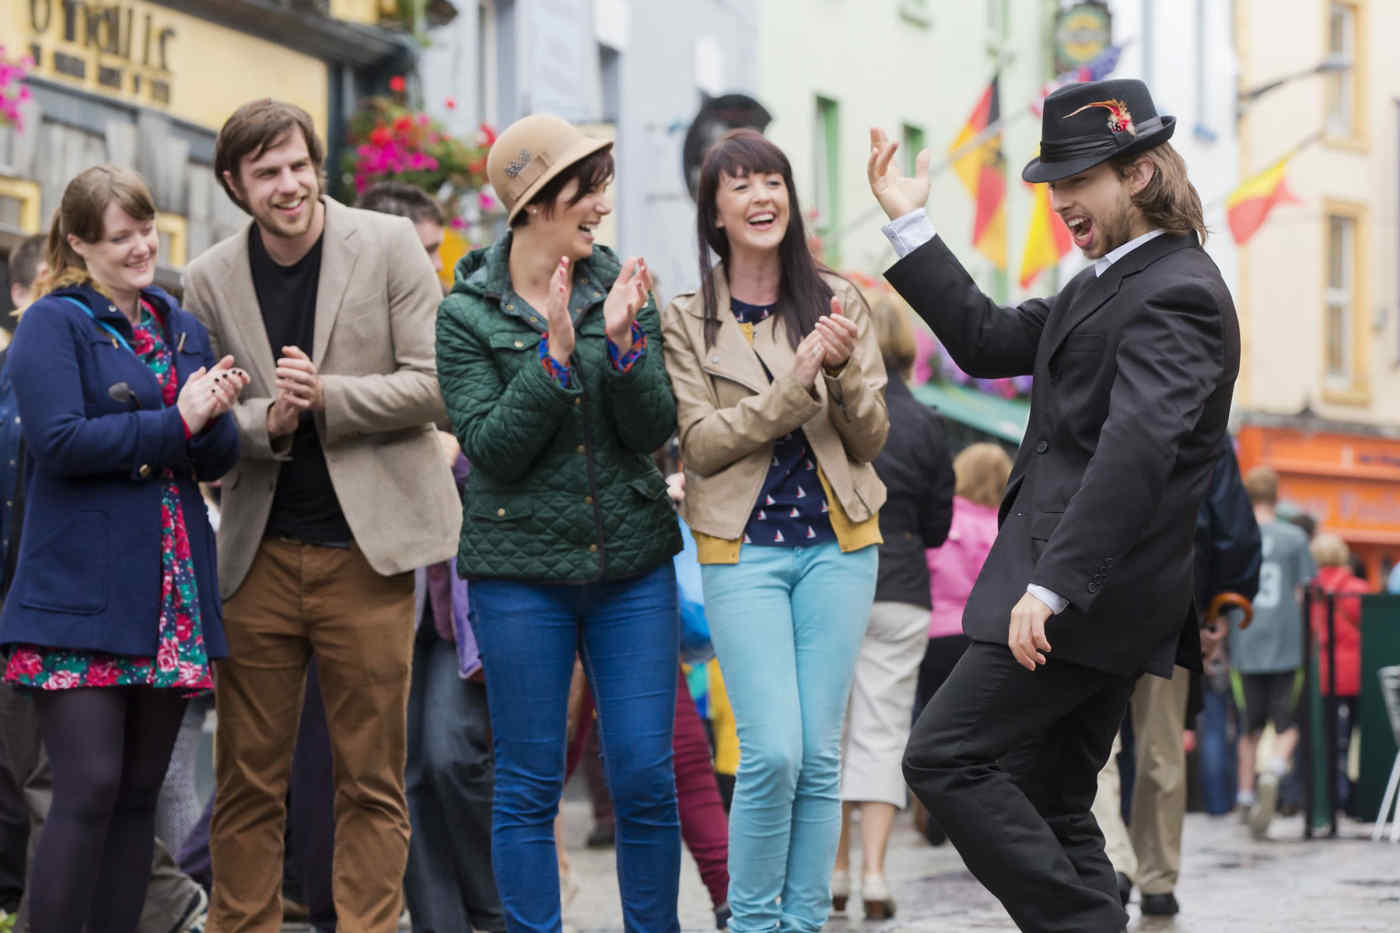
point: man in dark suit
(1089, 582)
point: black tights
(109, 747)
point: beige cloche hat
(530, 152)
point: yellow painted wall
(211, 70)
(1284, 278)
(357, 11)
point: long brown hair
(1169, 201)
(80, 213)
(806, 297)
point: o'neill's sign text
(120, 49)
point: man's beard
(1117, 228)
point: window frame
(1354, 79)
(27, 192)
(826, 188)
(1354, 386)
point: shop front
(1347, 476)
(146, 85)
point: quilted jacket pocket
(505, 510)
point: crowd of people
(447, 540)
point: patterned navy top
(791, 510)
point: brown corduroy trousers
(300, 598)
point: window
(912, 141)
(174, 233)
(1345, 103)
(19, 205)
(826, 175)
(1344, 322)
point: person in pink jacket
(982, 471)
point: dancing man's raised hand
(898, 194)
(628, 295)
(556, 310)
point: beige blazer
(376, 308)
(728, 413)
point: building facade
(1319, 394)
(146, 85)
(633, 71)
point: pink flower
(458, 223)
(101, 674)
(167, 657)
(191, 674)
(63, 680)
(450, 103)
(26, 663)
(397, 84)
(184, 625)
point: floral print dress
(181, 660)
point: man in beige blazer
(341, 491)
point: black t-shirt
(304, 506)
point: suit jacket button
(1042, 447)
(1093, 586)
(145, 470)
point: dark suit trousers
(1007, 762)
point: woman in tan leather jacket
(780, 411)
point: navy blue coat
(98, 437)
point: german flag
(982, 170)
(1249, 205)
(1048, 239)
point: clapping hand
(628, 295)
(898, 194)
(556, 311)
(209, 393)
(810, 353)
(299, 389)
(839, 335)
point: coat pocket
(66, 568)
(499, 510)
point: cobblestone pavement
(1229, 882)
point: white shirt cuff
(1055, 601)
(909, 232)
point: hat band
(1078, 147)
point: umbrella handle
(1224, 601)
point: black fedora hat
(1093, 121)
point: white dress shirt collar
(1103, 262)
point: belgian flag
(982, 170)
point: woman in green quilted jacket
(549, 356)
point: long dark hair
(805, 296)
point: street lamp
(1335, 63)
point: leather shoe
(1125, 888)
(1160, 905)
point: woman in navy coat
(113, 614)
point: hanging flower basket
(13, 91)
(392, 142)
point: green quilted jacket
(562, 488)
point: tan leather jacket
(728, 413)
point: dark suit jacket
(1133, 376)
(88, 576)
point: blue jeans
(1217, 752)
(787, 625)
(627, 633)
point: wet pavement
(1229, 882)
